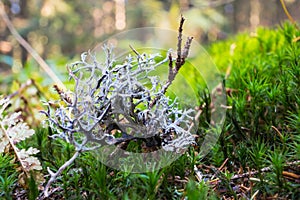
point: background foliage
(60, 30)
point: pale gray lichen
(123, 97)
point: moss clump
(263, 122)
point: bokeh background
(61, 30)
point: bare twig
(224, 163)
(179, 41)
(170, 67)
(135, 51)
(55, 175)
(186, 49)
(288, 14)
(278, 132)
(28, 48)
(180, 60)
(265, 169)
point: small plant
(277, 159)
(8, 176)
(13, 131)
(195, 190)
(119, 103)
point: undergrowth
(256, 157)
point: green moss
(261, 134)
(264, 95)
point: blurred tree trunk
(241, 15)
(255, 11)
(271, 13)
(23, 15)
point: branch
(186, 50)
(135, 51)
(265, 169)
(179, 41)
(170, 67)
(28, 48)
(288, 14)
(180, 60)
(55, 175)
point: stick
(54, 175)
(288, 14)
(265, 169)
(181, 56)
